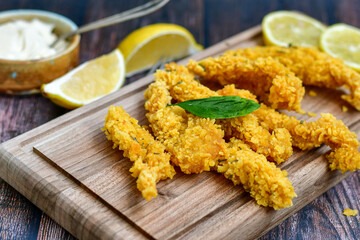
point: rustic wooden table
(210, 21)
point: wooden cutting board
(69, 170)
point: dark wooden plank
(19, 218)
(50, 230)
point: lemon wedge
(88, 82)
(342, 41)
(284, 28)
(146, 46)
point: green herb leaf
(219, 107)
(204, 68)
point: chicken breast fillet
(307, 135)
(327, 130)
(197, 145)
(151, 162)
(311, 66)
(269, 80)
(266, 183)
(275, 145)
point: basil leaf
(219, 107)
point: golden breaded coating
(182, 84)
(151, 162)
(276, 146)
(268, 79)
(266, 183)
(326, 130)
(350, 212)
(196, 144)
(230, 90)
(344, 158)
(312, 67)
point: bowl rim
(35, 12)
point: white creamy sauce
(28, 40)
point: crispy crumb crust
(266, 183)
(326, 130)
(198, 144)
(275, 145)
(312, 67)
(269, 80)
(151, 162)
(195, 143)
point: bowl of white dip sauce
(26, 58)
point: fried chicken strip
(266, 183)
(151, 162)
(196, 144)
(268, 79)
(307, 135)
(312, 67)
(275, 145)
(326, 130)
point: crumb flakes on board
(312, 93)
(344, 108)
(311, 114)
(350, 212)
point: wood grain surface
(210, 21)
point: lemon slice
(342, 41)
(146, 46)
(88, 82)
(284, 28)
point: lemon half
(88, 82)
(284, 28)
(342, 41)
(146, 46)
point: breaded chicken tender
(230, 90)
(312, 67)
(266, 183)
(327, 130)
(151, 162)
(196, 144)
(307, 135)
(268, 79)
(275, 145)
